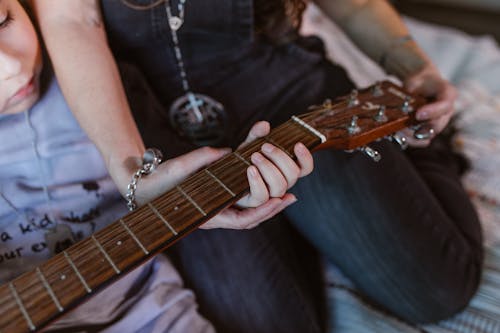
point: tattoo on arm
(93, 13)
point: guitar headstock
(364, 116)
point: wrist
(122, 167)
(403, 58)
(151, 159)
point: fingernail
(422, 115)
(252, 171)
(300, 146)
(256, 158)
(267, 148)
(291, 202)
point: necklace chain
(175, 23)
(197, 116)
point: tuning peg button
(377, 90)
(353, 98)
(372, 153)
(380, 117)
(400, 140)
(353, 127)
(406, 107)
(327, 102)
(423, 132)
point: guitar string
(194, 183)
(148, 227)
(89, 258)
(106, 235)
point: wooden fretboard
(40, 296)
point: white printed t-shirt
(45, 145)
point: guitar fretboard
(38, 297)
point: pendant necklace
(198, 117)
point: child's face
(20, 59)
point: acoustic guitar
(38, 297)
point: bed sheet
(473, 65)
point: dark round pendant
(199, 118)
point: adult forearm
(91, 84)
(377, 29)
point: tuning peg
(400, 140)
(353, 98)
(423, 131)
(327, 104)
(372, 153)
(406, 107)
(377, 90)
(353, 127)
(380, 117)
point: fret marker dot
(63, 277)
(176, 208)
(119, 243)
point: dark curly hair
(275, 17)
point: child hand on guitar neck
(273, 172)
(55, 191)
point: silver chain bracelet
(151, 159)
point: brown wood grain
(40, 296)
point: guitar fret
(21, 306)
(241, 158)
(310, 128)
(157, 213)
(77, 272)
(220, 182)
(234, 180)
(290, 135)
(273, 142)
(105, 254)
(49, 289)
(191, 200)
(134, 237)
(45, 293)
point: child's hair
(29, 11)
(47, 64)
(271, 17)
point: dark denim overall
(402, 229)
(252, 77)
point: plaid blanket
(473, 65)
(351, 312)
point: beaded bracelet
(151, 159)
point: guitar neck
(40, 296)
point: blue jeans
(403, 230)
(264, 280)
(258, 281)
